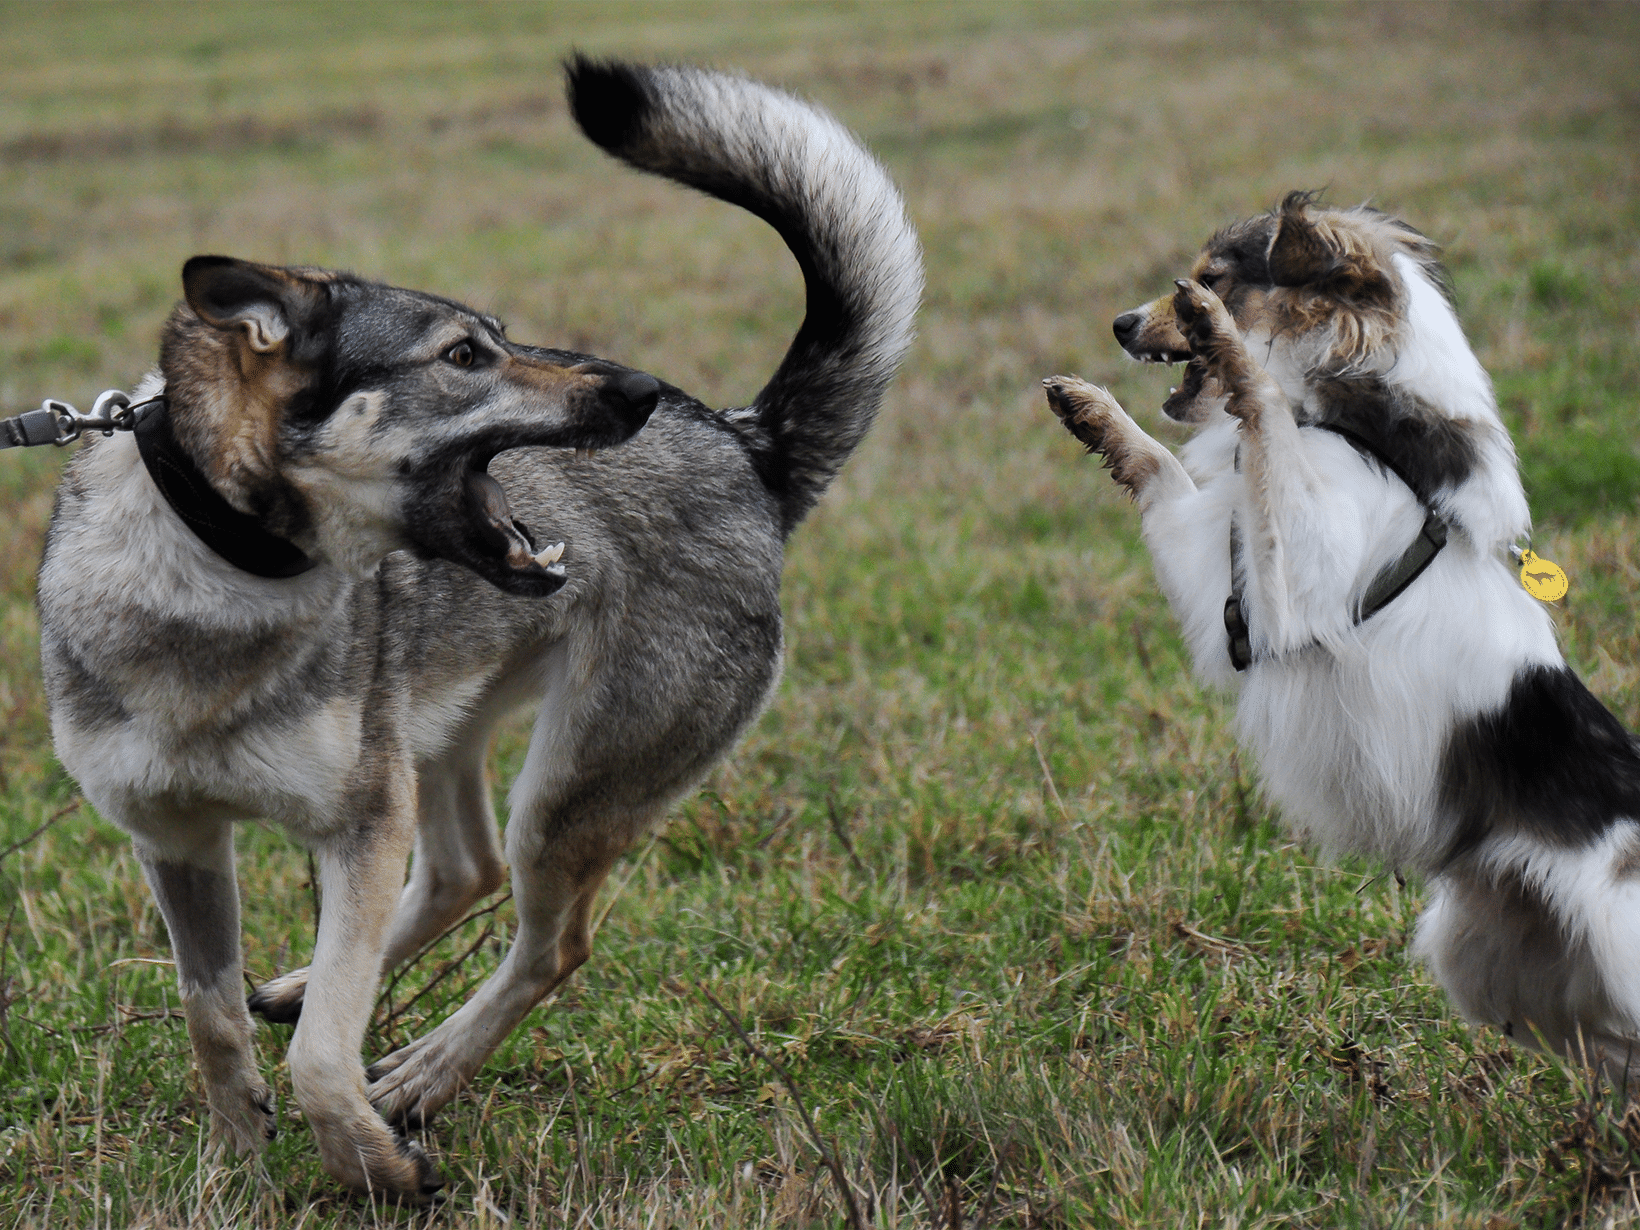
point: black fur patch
(1552, 762)
(1427, 450)
(608, 100)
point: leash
(57, 422)
(1386, 587)
(237, 537)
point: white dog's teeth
(551, 555)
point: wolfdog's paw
(243, 1118)
(382, 1164)
(280, 999)
(1094, 417)
(414, 1083)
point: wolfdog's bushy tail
(803, 173)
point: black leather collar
(236, 537)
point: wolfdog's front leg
(1149, 472)
(361, 870)
(191, 871)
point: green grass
(989, 880)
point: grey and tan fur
(353, 703)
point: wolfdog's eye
(461, 354)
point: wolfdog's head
(356, 419)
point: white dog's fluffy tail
(803, 173)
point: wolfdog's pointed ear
(262, 300)
(1300, 254)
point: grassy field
(988, 882)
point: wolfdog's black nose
(1125, 327)
(638, 390)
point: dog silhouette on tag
(1544, 580)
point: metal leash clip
(57, 422)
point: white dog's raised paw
(1088, 411)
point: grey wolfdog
(309, 586)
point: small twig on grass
(916, 1173)
(996, 1177)
(313, 891)
(128, 1015)
(1047, 777)
(449, 968)
(827, 1157)
(786, 816)
(1243, 820)
(5, 983)
(386, 996)
(1144, 653)
(842, 835)
(52, 819)
(621, 887)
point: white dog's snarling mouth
(1180, 405)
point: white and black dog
(1334, 542)
(299, 590)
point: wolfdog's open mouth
(507, 537)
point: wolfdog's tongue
(506, 535)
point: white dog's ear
(1300, 252)
(264, 302)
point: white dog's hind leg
(1553, 967)
(193, 882)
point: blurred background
(949, 870)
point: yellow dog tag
(1545, 581)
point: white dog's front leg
(1301, 548)
(1181, 527)
(1150, 473)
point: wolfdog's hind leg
(193, 882)
(555, 882)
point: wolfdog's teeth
(550, 555)
(581, 454)
(1170, 392)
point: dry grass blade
(828, 1157)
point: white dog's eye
(461, 354)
